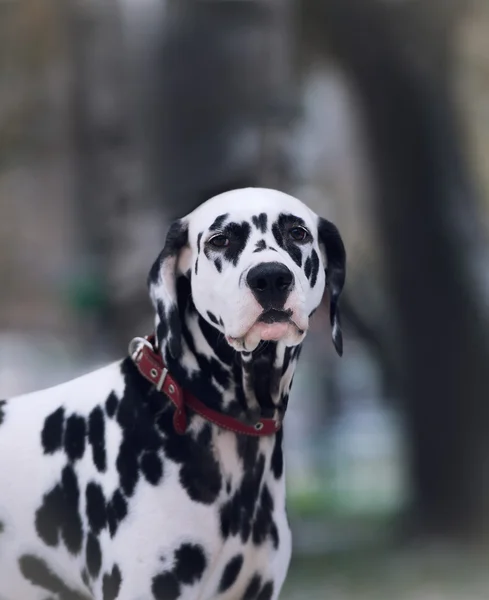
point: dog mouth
(273, 315)
(271, 325)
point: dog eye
(219, 241)
(299, 234)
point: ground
(433, 573)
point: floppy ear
(334, 249)
(162, 284)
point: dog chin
(287, 332)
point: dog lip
(273, 315)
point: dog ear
(162, 284)
(334, 250)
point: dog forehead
(244, 204)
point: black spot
(218, 264)
(221, 322)
(218, 222)
(266, 591)
(59, 514)
(260, 222)
(93, 556)
(39, 574)
(212, 318)
(2, 527)
(308, 267)
(96, 508)
(236, 516)
(152, 467)
(111, 405)
(239, 234)
(111, 584)
(138, 430)
(253, 588)
(190, 563)
(75, 434)
(277, 461)
(230, 573)
(197, 265)
(116, 511)
(260, 246)
(85, 578)
(315, 267)
(280, 232)
(2, 410)
(52, 432)
(264, 526)
(165, 587)
(199, 237)
(96, 437)
(200, 475)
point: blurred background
(117, 116)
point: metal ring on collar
(135, 346)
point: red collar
(151, 366)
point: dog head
(257, 261)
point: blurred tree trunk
(401, 62)
(207, 110)
(105, 169)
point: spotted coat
(101, 499)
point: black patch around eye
(260, 246)
(111, 584)
(96, 438)
(190, 563)
(93, 556)
(230, 573)
(308, 267)
(212, 318)
(75, 434)
(218, 222)
(239, 234)
(218, 264)
(260, 222)
(36, 571)
(280, 229)
(52, 432)
(315, 267)
(111, 405)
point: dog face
(258, 262)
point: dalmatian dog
(161, 476)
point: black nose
(270, 283)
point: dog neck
(245, 385)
